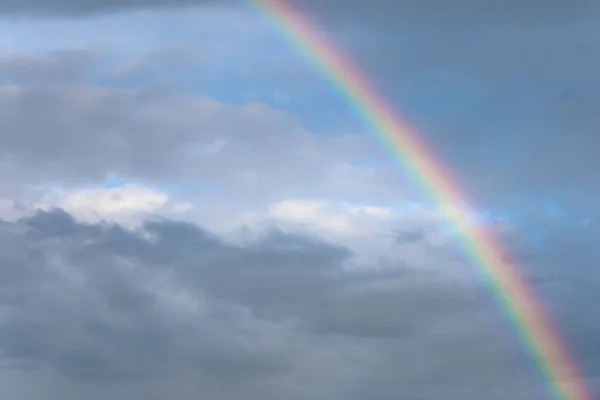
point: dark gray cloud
(439, 15)
(381, 12)
(97, 303)
(569, 267)
(71, 8)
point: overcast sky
(188, 211)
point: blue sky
(201, 214)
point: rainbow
(510, 290)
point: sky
(188, 210)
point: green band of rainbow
(510, 290)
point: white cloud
(127, 199)
(331, 218)
(129, 204)
(414, 236)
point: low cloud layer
(97, 305)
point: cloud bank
(280, 314)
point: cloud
(123, 327)
(58, 128)
(497, 84)
(75, 8)
(170, 302)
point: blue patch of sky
(542, 206)
(316, 109)
(551, 206)
(306, 95)
(535, 219)
(114, 182)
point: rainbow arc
(403, 143)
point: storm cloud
(101, 303)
